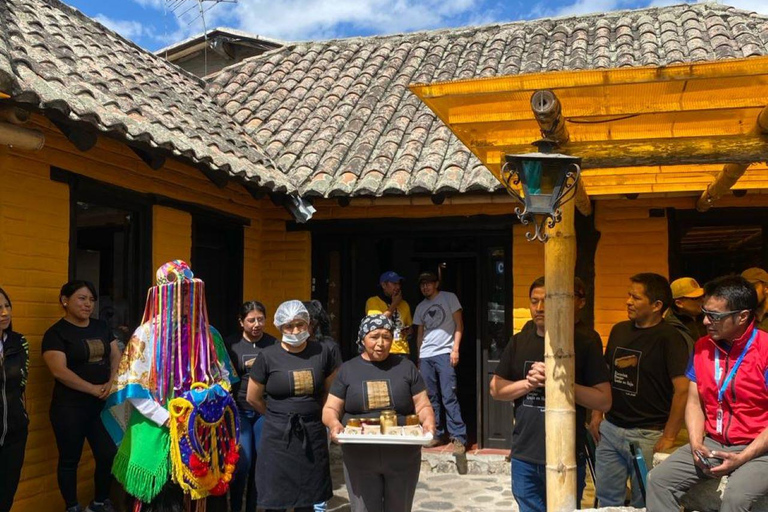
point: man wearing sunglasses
(727, 409)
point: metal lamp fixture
(548, 181)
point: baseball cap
(686, 287)
(428, 276)
(390, 276)
(755, 274)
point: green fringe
(138, 482)
(143, 467)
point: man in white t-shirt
(440, 326)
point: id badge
(719, 419)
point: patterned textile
(371, 323)
(173, 349)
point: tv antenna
(190, 11)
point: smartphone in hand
(709, 462)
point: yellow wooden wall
(527, 265)
(171, 236)
(34, 236)
(631, 242)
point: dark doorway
(349, 257)
(110, 247)
(217, 259)
(718, 242)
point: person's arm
(114, 360)
(732, 460)
(255, 396)
(151, 410)
(676, 415)
(594, 425)
(597, 397)
(57, 363)
(457, 333)
(508, 390)
(333, 410)
(424, 411)
(694, 422)
(329, 382)
(419, 337)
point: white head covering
(290, 310)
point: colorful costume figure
(169, 409)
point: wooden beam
(14, 115)
(608, 154)
(82, 138)
(21, 138)
(560, 411)
(154, 159)
(732, 171)
(548, 113)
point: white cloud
(126, 28)
(317, 19)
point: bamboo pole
(560, 411)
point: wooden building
(126, 160)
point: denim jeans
(529, 484)
(244, 477)
(440, 378)
(614, 463)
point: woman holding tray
(288, 382)
(379, 477)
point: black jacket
(14, 369)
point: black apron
(293, 469)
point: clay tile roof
(56, 60)
(340, 118)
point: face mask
(295, 339)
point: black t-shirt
(333, 347)
(88, 352)
(243, 354)
(526, 348)
(294, 381)
(368, 387)
(642, 364)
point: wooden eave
(637, 130)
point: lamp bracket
(510, 177)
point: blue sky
(152, 25)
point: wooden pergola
(693, 129)
(681, 129)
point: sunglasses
(717, 316)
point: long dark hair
(8, 298)
(71, 287)
(251, 305)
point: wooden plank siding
(34, 235)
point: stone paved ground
(444, 492)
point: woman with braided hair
(169, 408)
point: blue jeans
(529, 484)
(250, 436)
(440, 378)
(614, 463)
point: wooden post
(560, 411)
(548, 113)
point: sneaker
(75, 508)
(106, 506)
(458, 447)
